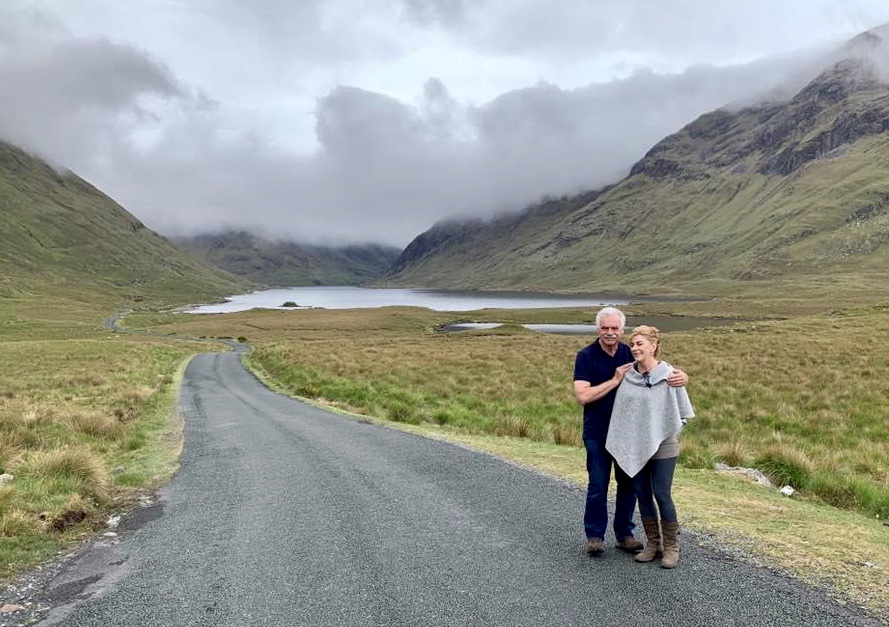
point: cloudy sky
(340, 121)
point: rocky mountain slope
(61, 233)
(287, 264)
(790, 191)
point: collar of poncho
(657, 374)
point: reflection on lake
(347, 297)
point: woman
(646, 420)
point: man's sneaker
(629, 544)
(595, 546)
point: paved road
(283, 514)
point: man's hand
(620, 371)
(677, 379)
(585, 392)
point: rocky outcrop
(842, 105)
(847, 127)
(441, 236)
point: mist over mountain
(401, 115)
(61, 233)
(788, 190)
(287, 264)
(788, 186)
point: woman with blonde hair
(642, 437)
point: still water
(347, 297)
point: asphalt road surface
(283, 514)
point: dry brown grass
(73, 406)
(79, 467)
(800, 397)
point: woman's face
(642, 347)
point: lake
(348, 297)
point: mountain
(61, 233)
(792, 191)
(289, 264)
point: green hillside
(61, 234)
(286, 264)
(790, 196)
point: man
(598, 370)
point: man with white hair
(598, 370)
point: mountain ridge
(289, 263)
(61, 231)
(768, 192)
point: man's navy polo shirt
(596, 366)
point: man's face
(610, 331)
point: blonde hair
(650, 333)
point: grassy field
(88, 418)
(88, 422)
(800, 399)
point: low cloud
(382, 168)
(71, 100)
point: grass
(87, 422)
(88, 419)
(799, 399)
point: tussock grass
(94, 423)
(79, 467)
(14, 523)
(495, 383)
(82, 419)
(801, 400)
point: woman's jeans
(595, 516)
(655, 483)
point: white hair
(611, 311)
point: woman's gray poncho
(643, 417)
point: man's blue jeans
(595, 517)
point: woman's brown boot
(653, 544)
(671, 544)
